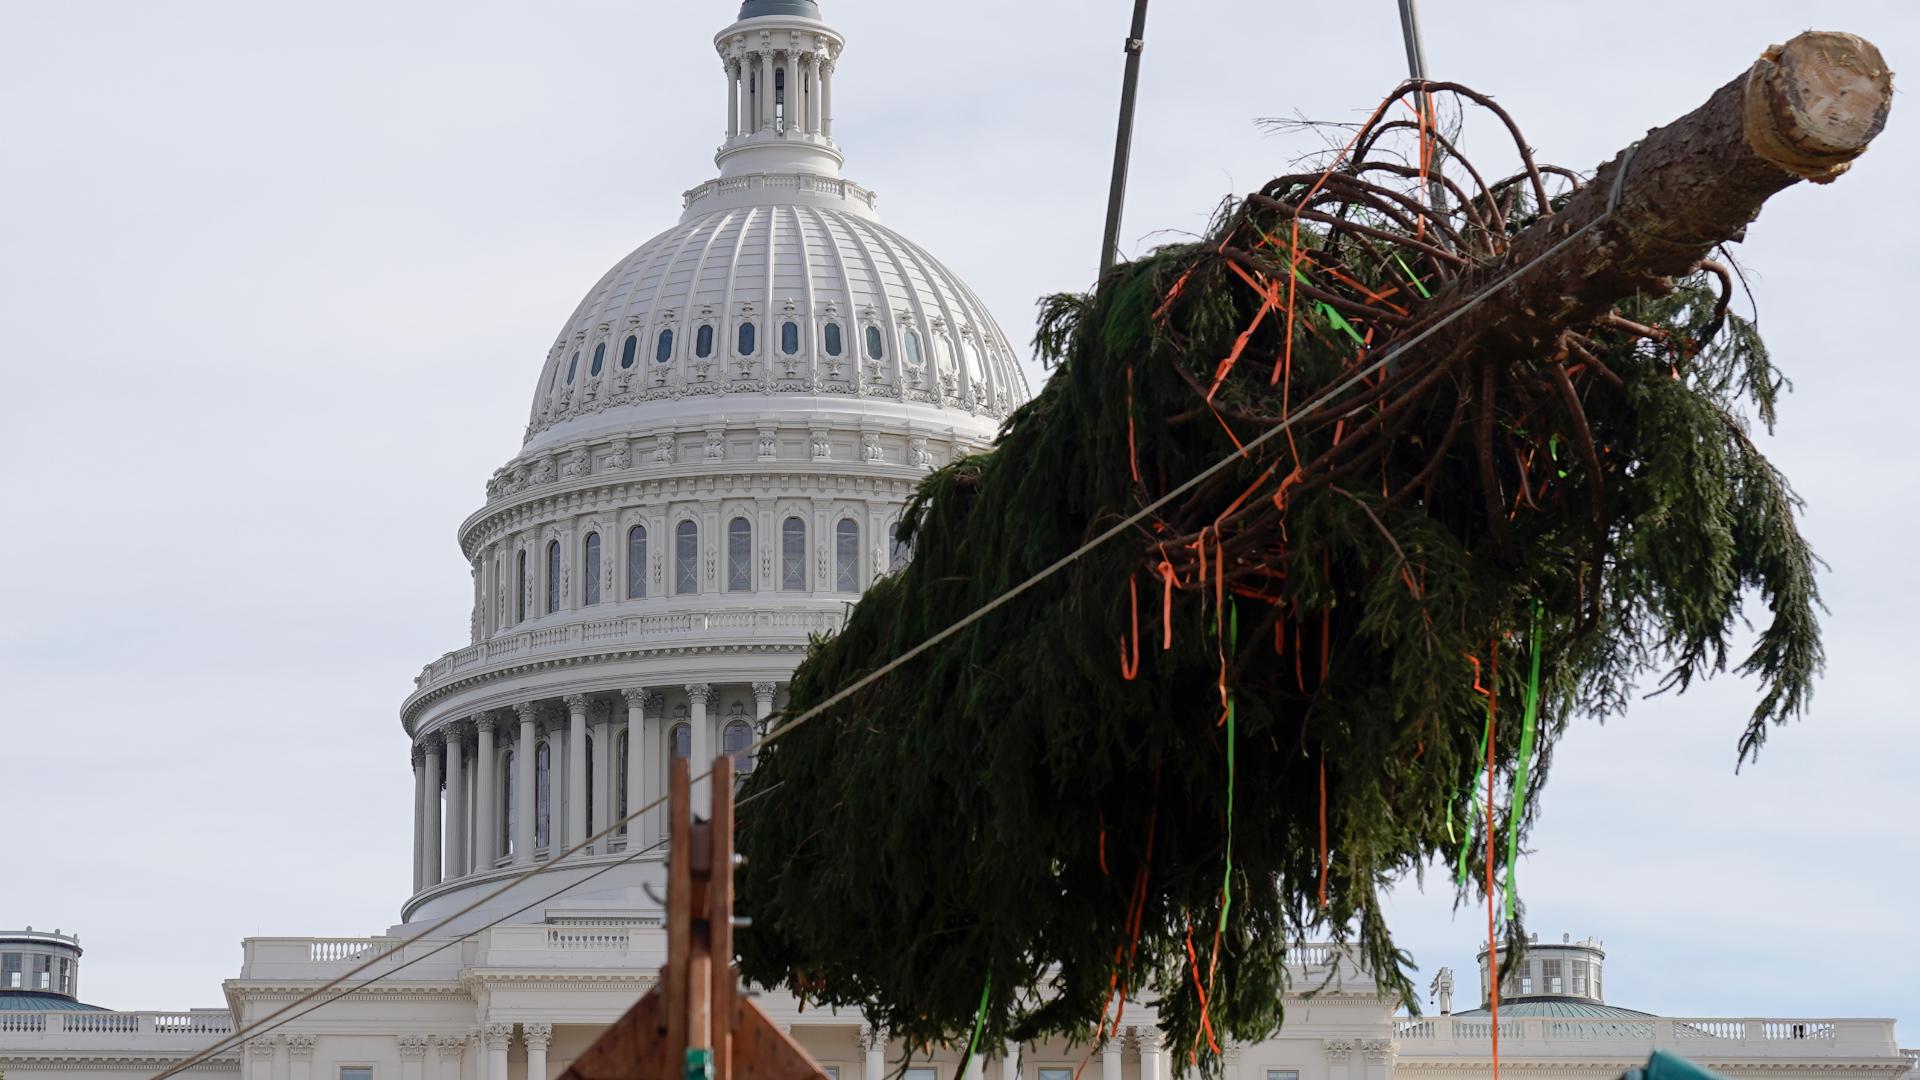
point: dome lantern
(778, 60)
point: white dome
(784, 286)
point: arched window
(914, 355)
(590, 573)
(686, 558)
(846, 555)
(740, 555)
(780, 96)
(703, 342)
(637, 563)
(629, 350)
(622, 758)
(899, 551)
(599, 359)
(663, 349)
(682, 746)
(573, 365)
(592, 825)
(506, 803)
(746, 339)
(875, 347)
(520, 587)
(543, 795)
(735, 740)
(834, 344)
(553, 576)
(790, 337)
(793, 555)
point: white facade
(721, 439)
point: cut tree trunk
(1804, 111)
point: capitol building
(719, 445)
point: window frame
(629, 352)
(740, 561)
(846, 560)
(686, 557)
(747, 339)
(703, 341)
(793, 565)
(599, 363)
(833, 339)
(876, 343)
(590, 554)
(573, 367)
(554, 576)
(663, 346)
(790, 338)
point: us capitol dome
(721, 440)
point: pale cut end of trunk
(1813, 104)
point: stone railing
(188, 1026)
(795, 182)
(1706, 1038)
(626, 630)
(328, 958)
(1913, 1061)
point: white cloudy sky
(276, 279)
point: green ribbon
(979, 1020)
(1226, 881)
(1473, 797)
(1413, 278)
(1517, 804)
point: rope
(1327, 397)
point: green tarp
(1665, 1066)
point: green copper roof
(754, 9)
(34, 1001)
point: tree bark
(1804, 111)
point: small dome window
(663, 349)
(629, 350)
(573, 366)
(746, 339)
(914, 355)
(590, 571)
(875, 349)
(790, 337)
(599, 359)
(834, 344)
(553, 577)
(793, 555)
(703, 342)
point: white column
(636, 765)
(764, 121)
(603, 800)
(733, 97)
(300, 1057)
(523, 781)
(430, 867)
(1150, 1056)
(1110, 1060)
(419, 818)
(810, 92)
(793, 90)
(876, 1063)
(1010, 1063)
(497, 1037)
(557, 771)
(486, 795)
(456, 842)
(826, 99)
(538, 1036)
(701, 757)
(260, 1052)
(413, 1057)
(763, 693)
(576, 769)
(448, 1052)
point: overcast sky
(276, 280)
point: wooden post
(693, 1024)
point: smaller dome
(754, 9)
(36, 1001)
(1560, 1008)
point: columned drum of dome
(722, 438)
